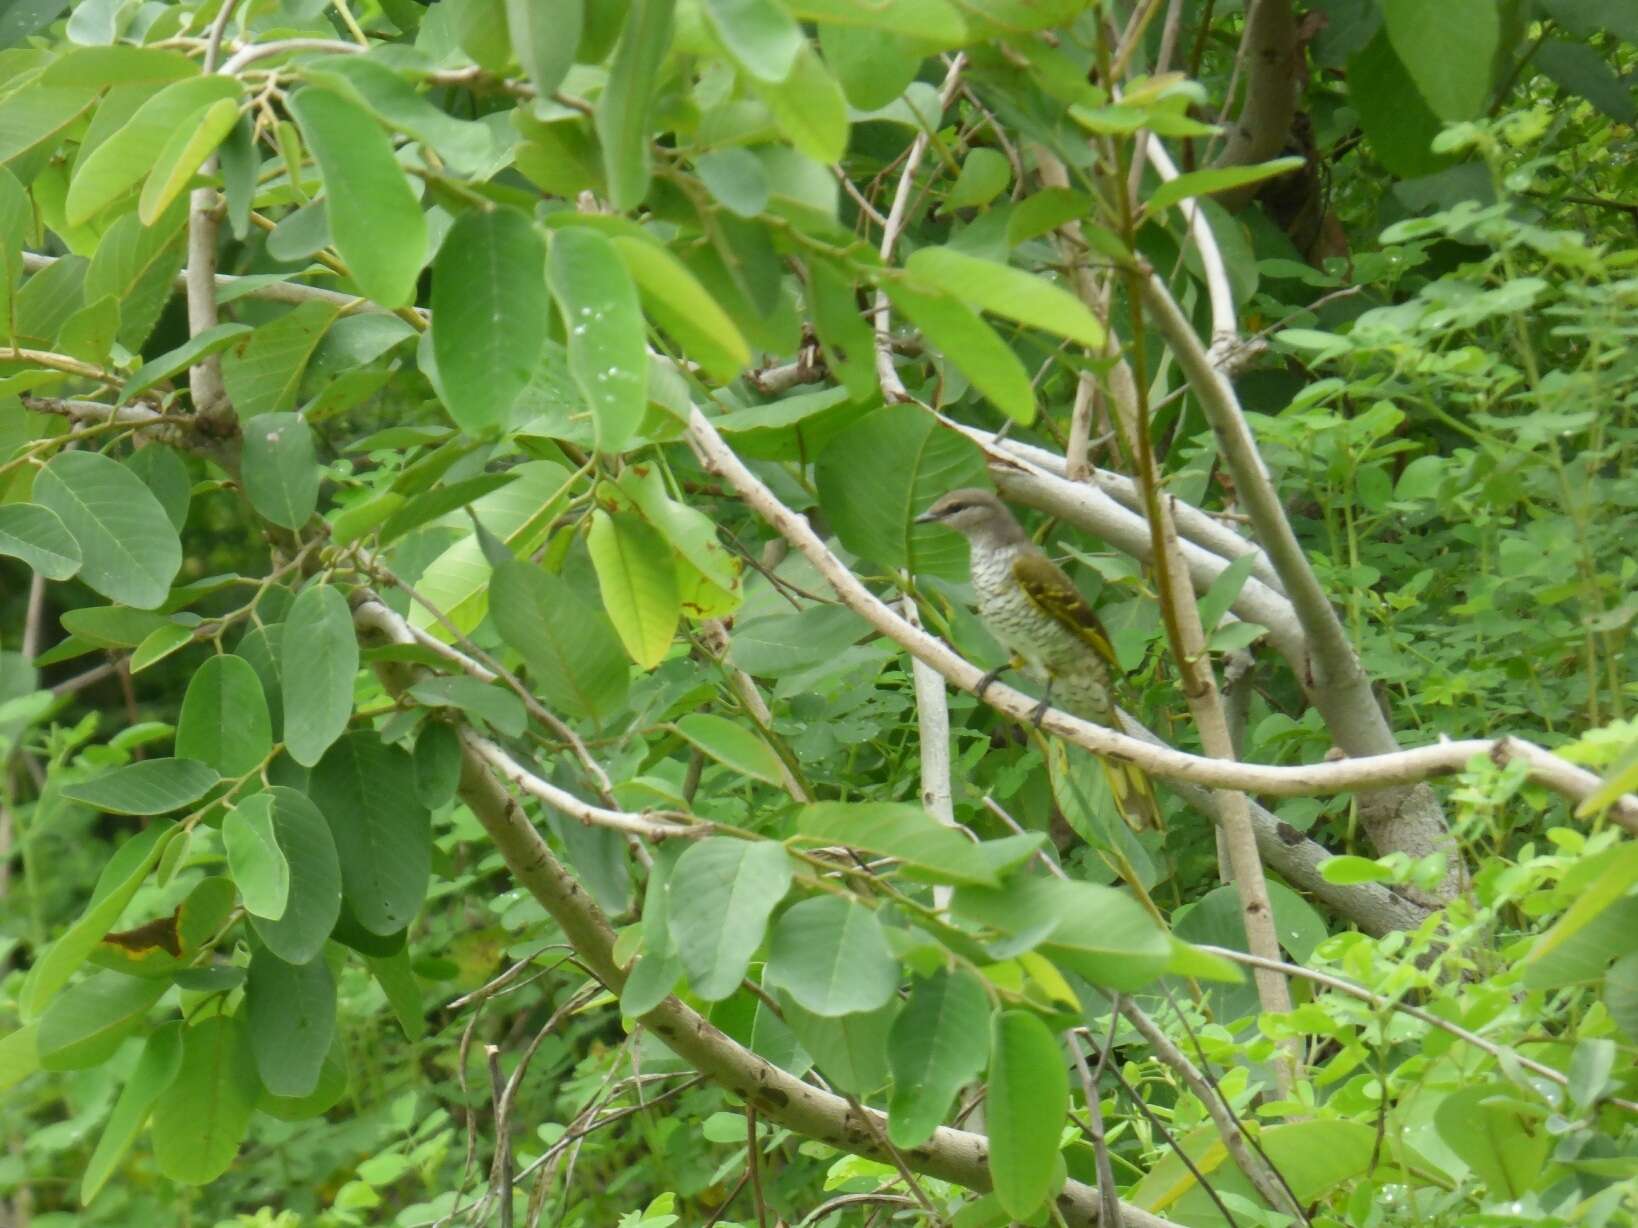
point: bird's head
(974, 513)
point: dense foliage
(460, 757)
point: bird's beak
(927, 518)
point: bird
(1050, 630)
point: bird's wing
(1055, 595)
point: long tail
(1134, 795)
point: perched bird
(1035, 610)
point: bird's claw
(1041, 709)
(987, 681)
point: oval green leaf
(639, 584)
(255, 859)
(201, 1118)
(1028, 1098)
(489, 306)
(291, 1013)
(153, 786)
(831, 956)
(608, 346)
(320, 659)
(375, 216)
(84, 1026)
(938, 1043)
(130, 550)
(731, 745)
(383, 835)
(719, 898)
(281, 469)
(155, 1070)
(224, 720)
(314, 900)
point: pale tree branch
(1336, 683)
(205, 376)
(1321, 779)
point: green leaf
(153, 786)
(26, 17)
(120, 162)
(1348, 870)
(202, 1117)
(608, 350)
(762, 37)
(224, 720)
(684, 308)
(1217, 179)
(19, 1055)
(160, 643)
(972, 345)
(831, 956)
(721, 893)
(212, 340)
(877, 475)
(1098, 932)
(155, 1071)
(1028, 1097)
(638, 583)
(1622, 777)
(489, 314)
(731, 745)
(290, 1010)
(37, 113)
(623, 111)
(938, 1044)
(1400, 125)
(574, 656)
(383, 835)
(849, 344)
(255, 860)
(281, 469)
(183, 155)
(901, 830)
(809, 108)
(314, 900)
(263, 372)
(851, 1051)
(1448, 49)
(1505, 1149)
(544, 39)
(984, 175)
(437, 764)
(320, 659)
(130, 552)
(36, 535)
(488, 702)
(1005, 291)
(84, 1026)
(375, 217)
(735, 178)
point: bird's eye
(956, 507)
